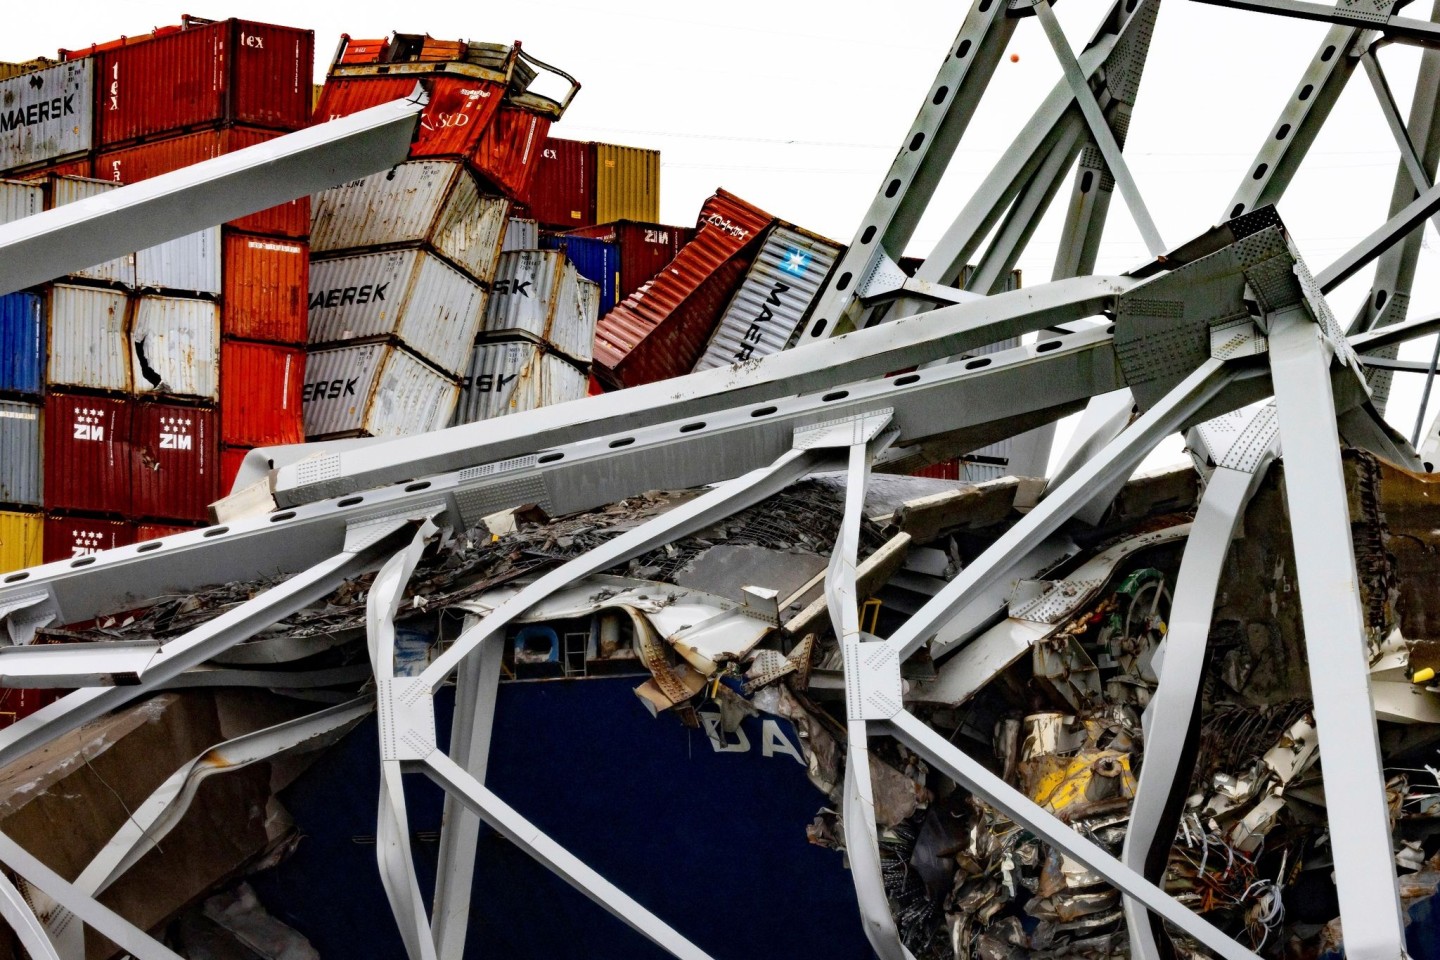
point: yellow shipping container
(8, 70)
(627, 183)
(20, 541)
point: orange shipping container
(260, 389)
(461, 107)
(267, 281)
(507, 155)
(230, 460)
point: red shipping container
(175, 458)
(661, 331)
(87, 453)
(460, 108)
(944, 470)
(154, 531)
(74, 167)
(260, 386)
(69, 537)
(230, 460)
(266, 285)
(146, 160)
(562, 195)
(645, 249)
(506, 155)
(232, 71)
(363, 51)
(17, 703)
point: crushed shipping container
(627, 183)
(260, 394)
(267, 287)
(375, 390)
(562, 195)
(20, 447)
(462, 104)
(47, 114)
(645, 249)
(87, 338)
(176, 347)
(67, 537)
(521, 233)
(539, 293)
(21, 536)
(176, 461)
(22, 342)
(597, 261)
(514, 376)
(20, 199)
(87, 453)
(506, 153)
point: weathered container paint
(260, 394)
(460, 109)
(645, 249)
(66, 538)
(229, 71)
(65, 190)
(231, 459)
(154, 531)
(376, 390)
(87, 339)
(22, 342)
(21, 538)
(562, 195)
(627, 183)
(81, 166)
(46, 114)
(175, 346)
(521, 233)
(661, 331)
(20, 199)
(87, 453)
(597, 260)
(431, 202)
(412, 295)
(515, 376)
(188, 264)
(540, 294)
(20, 449)
(774, 299)
(507, 152)
(267, 284)
(175, 461)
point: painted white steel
(65, 190)
(88, 342)
(513, 376)
(774, 298)
(20, 199)
(539, 293)
(521, 234)
(20, 452)
(176, 347)
(430, 306)
(431, 202)
(46, 114)
(374, 389)
(188, 264)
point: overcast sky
(799, 108)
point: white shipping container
(539, 293)
(45, 114)
(65, 190)
(373, 389)
(521, 234)
(20, 199)
(175, 345)
(434, 202)
(513, 376)
(188, 264)
(88, 345)
(430, 306)
(21, 450)
(774, 298)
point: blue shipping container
(22, 343)
(596, 260)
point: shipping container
(507, 151)
(627, 183)
(540, 294)
(597, 260)
(563, 193)
(65, 190)
(87, 339)
(231, 459)
(20, 448)
(267, 285)
(260, 394)
(9, 68)
(20, 199)
(143, 161)
(87, 453)
(22, 342)
(775, 298)
(231, 71)
(645, 249)
(661, 331)
(175, 345)
(412, 295)
(46, 114)
(188, 264)
(17, 703)
(521, 233)
(66, 537)
(460, 108)
(80, 166)
(21, 535)
(431, 202)
(514, 376)
(154, 531)
(175, 461)
(374, 389)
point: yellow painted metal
(627, 183)
(20, 540)
(1088, 777)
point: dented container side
(22, 342)
(471, 229)
(175, 461)
(562, 195)
(266, 288)
(627, 183)
(507, 153)
(20, 199)
(188, 264)
(514, 376)
(21, 443)
(87, 453)
(21, 540)
(399, 205)
(47, 114)
(176, 347)
(374, 389)
(260, 394)
(645, 249)
(65, 190)
(87, 338)
(459, 111)
(524, 295)
(596, 260)
(521, 233)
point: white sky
(799, 108)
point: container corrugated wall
(374, 389)
(88, 345)
(460, 108)
(267, 288)
(521, 234)
(188, 264)
(429, 305)
(260, 394)
(176, 461)
(514, 376)
(21, 539)
(645, 249)
(20, 199)
(597, 261)
(176, 347)
(46, 114)
(70, 537)
(774, 299)
(65, 190)
(507, 153)
(540, 293)
(87, 453)
(562, 195)
(627, 183)
(20, 446)
(22, 342)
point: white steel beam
(15, 910)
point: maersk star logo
(796, 262)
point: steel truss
(1209, 329)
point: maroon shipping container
(661, 331)
(87, 453)
(460, 108)
(154, 531)
(645, 249)
(944, 470)
(232, 71)
(146, 160)
(68, 537)
(260, 387)
(506, 154)
(266, 284)
(562, 195)
(17, 703)
(175, 461)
